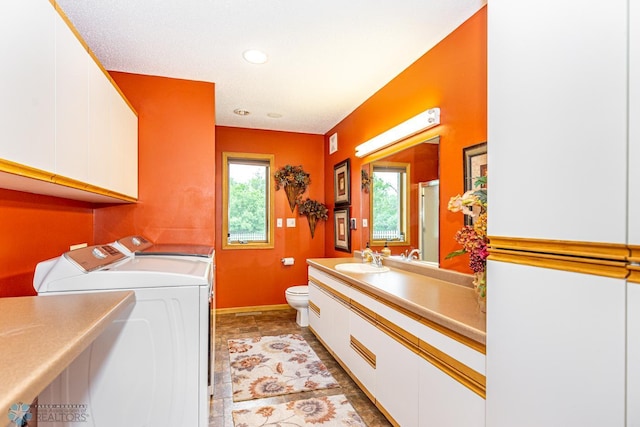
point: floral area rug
(275, 365)
(317, 411)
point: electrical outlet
(279, 222)
(291, 222)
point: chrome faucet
(414, 254)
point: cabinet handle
(314, 308)
(363, 351)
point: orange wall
(246, 277)
(452, 76)
(176, 175)
(34, 228)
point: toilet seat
(298, 290)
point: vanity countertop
(42, 335)
(451, 306)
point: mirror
(400, 200)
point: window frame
(248, 158)
(405, 207)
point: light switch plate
(364, 222)
(354, 223)
(333, 143)
(291, 222)
(279, 222)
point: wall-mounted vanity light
(422, 121)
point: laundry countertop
(42, 335)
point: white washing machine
(140, 246)
(150, 367)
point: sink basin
(358, 267)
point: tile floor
(244, 325)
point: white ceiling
(326, 57)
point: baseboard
(254, 308)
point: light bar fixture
(412, 126)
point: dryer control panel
(94, 257)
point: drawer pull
(314, 308)
(363, 351)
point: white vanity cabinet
(447, 403)
(414, 374)
(63, 120)
(27, 83)
(329, 316)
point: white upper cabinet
(60, 113)
(101, 151)
(557, 108)
(113, 136)
(72, 91)
(27, 83)
(124, 135)
(634, 123)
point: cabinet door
(634, 123)
(329, 318)
(72, 114)
(397, 380)
(555, 348)
(124, 135)
(27, 83)
(633, 354)
(320, 318)
(363, 359)
(444, 402)
(557, 90)
(101, 151)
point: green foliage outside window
(386, 201)
(247, 204)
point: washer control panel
(95, 257)
(135, 243)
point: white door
(429, 220)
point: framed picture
(342, 183)
(341, 230)
(475, 166)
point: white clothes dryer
(149, 368)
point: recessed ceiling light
(274, 115)
(241, 112)
(254, 56)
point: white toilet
(298, 298)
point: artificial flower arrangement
(473, 238)
(314, 210)
(294, 180)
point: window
(389, 203)
(247, 201)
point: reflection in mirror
(389, 203)
(402, 204)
